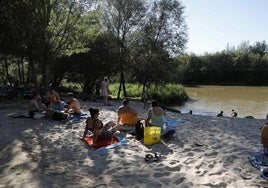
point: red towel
(101, 142)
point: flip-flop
(149, 157)
(156, 157)
(197, 143)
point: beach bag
(38, 115)
(139, 130)
(58, 116)
(152, 135)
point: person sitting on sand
(36, 105)
(97, 128)
(127, 116)
(73, 105)
(264, 138)
(54, 101)
(155, 115)
(220, 114)
(56, 107)
(234, 113)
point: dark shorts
(32, 112)
(107, 132)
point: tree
(259, 48)
(163, 36)
(122, 19)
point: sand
(44, 153)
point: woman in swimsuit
(97, 128)
(156, 115)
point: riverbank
(42, 153)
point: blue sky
(214, 24)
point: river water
(210, 100)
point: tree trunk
(22, 72)
(46, 72)
(34, 75)
(6, 70)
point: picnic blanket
(104, 144)
(260, 162)
(78, 117)
(171, 122)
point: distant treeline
(247, 65)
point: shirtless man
(127, 116)
(73, 105)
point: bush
(172, 94)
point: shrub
(169, 94)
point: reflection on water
(210, 100)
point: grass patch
(172, 94)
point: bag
(58, 116)
(152, 135)
(38, 115)
(139, 130)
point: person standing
(105, 91)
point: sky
(215, 24)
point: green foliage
(167, 94)
(233, 67)
(70, 87)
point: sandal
(148, 157)
(156, 157)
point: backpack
(139, 129)
(58, 116)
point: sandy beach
(45, 153)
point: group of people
(126, 121)
(54, 107)
(233, 114)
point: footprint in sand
(176, 168)
(211, 154)
(189, 161)
(201, 172)
(222, 185)
(163, 174)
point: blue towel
(171, 122)
(258, 159)
(122, 141)
(78, 118)
(260, 162)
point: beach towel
(171, 122)
(78, 117)
(260, 162)
(104, 144)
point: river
(210, 100)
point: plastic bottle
(164, 128)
